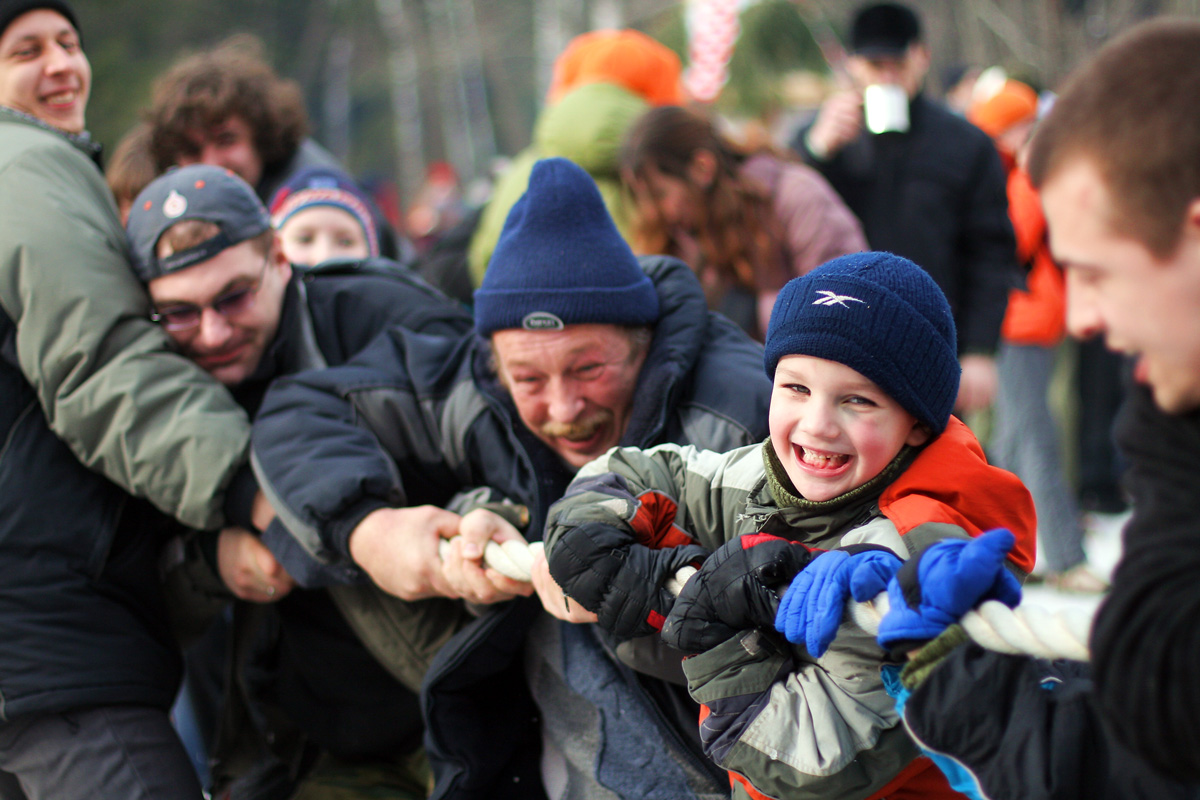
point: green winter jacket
(105, 376)
(795, 726)
(586, 126)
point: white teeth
(61, 97)
(819, 460)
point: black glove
(734, 591)
(607, 572)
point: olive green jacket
(106, 379)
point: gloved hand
(606, 571)
(811, 610)
(942, 583)
(734, 591)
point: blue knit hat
(560, 261)
(881, 315)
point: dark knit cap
(560, 261)
(323, 186)
(201, 192)
(881, 315)
(884, 29)
(11, 9)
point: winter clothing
(880, 315)
(94, 407)
(587, 127)
(628, 58)
(754, 685)
(815, 224)
(320, 186)
(345, 700)
(11, 9)
(811, 609)
(414, 421)
(935, 194)
(310, 155)
(933, 590)
(883, 29)
(199, 192)
(1014, 103)
(560, 261)
(1018, 728)
(734, 590)
(1145, 630)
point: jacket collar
(82, 141)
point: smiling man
(1117, 162)
(96, 412)
(578, 346)
(227, 296)
(1118, 165)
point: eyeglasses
(185, 316)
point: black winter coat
(936, 195)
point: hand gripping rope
(1025, 630)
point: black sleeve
(1146, 638)
(1027, 729)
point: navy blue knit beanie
(881, 315)
(560, 261)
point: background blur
(393, 85)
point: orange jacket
(1036, 316)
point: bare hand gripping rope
(1025, 630)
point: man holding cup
(925, 183)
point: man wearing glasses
(224, 292)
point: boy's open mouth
(820, 460)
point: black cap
(884, 29)
(11, 9)
(201, 192)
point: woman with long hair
(745, 222)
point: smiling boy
(863, 456)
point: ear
(278, 260)
(702, 169)
(919, 435)
(1191, 218)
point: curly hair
(734, 228)
(204, 89)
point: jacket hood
(588, 125)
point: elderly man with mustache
(578, 347)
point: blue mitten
(811, 611)
(942, 583)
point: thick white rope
(1025, 630)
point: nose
(819, 420)
(213, 332)
(320, 250)
(212, 154)
(59, 59)
(565, 403)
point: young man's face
(319, 233)
(247, 291)
(832, 428)
(573, 388)
(43, 71)
(228, 144)
(1145, 306)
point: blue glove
(811, 611)
(943, 582)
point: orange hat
(628, 58)
(1015, 102)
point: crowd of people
(573, 495)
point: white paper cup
(885, 108)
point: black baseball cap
(884, 29)
(200, 192)
(11, 9)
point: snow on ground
(1103, 546)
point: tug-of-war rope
(1024, 630)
